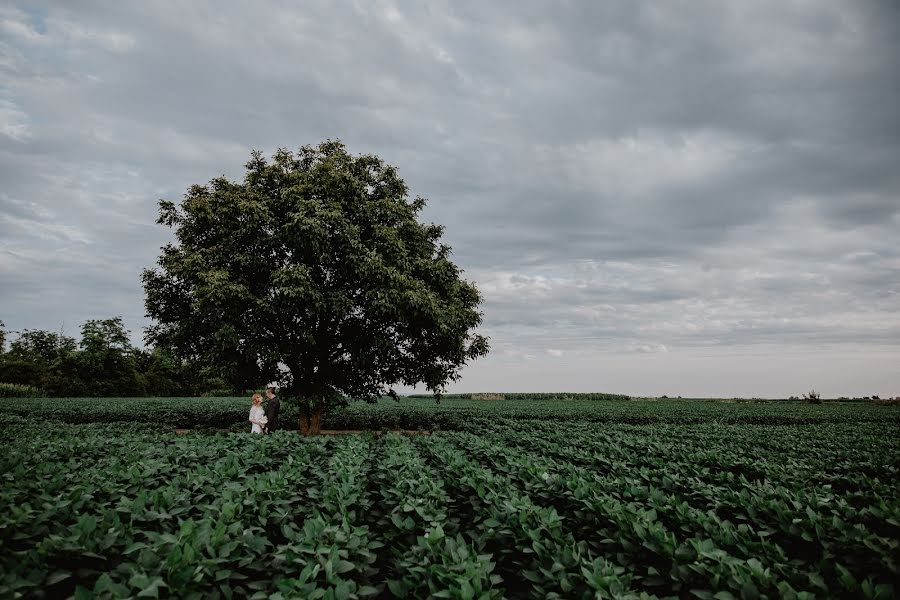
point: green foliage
(813, 397)
(422, 414)
(105, 364)
(99, 336)
(42, 348)
(219, 393)
(529, 396)
(514, 503)
(17, 390)
(39, 358)
(102, 363)
(315, 262)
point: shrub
(887, 402)
(18, 390)
(813, 397)
(219, 393)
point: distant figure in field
(257, 415)
(272, 410)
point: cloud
(19, 25)
(632, 179)
(13, 122)
(646, 348)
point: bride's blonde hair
(255, 397)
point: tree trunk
(315, 420)
(304, 420)
(311, 420)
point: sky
(685, 198)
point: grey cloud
(622, 177)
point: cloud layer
(641, 190)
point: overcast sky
(682, 198)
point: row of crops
(516, 505)
(450, 414)
(529, 396)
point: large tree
(106, 364)
(316, 272)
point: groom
(272, 410)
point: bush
(18, 390)
(488, 397)
(221, 393)
(813, 397)
(887, 402)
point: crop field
(508, 498)
(450, 414)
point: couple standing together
(265, 420)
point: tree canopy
(316, 272)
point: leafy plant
(17, 390)
(625, 499)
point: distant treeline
(102, 363)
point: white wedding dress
(258, 414)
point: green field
(513, 498)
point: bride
(257, 415)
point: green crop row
(504, 507)
(452, 414)
(494, 396)
(655, 520)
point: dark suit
(272, 410)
